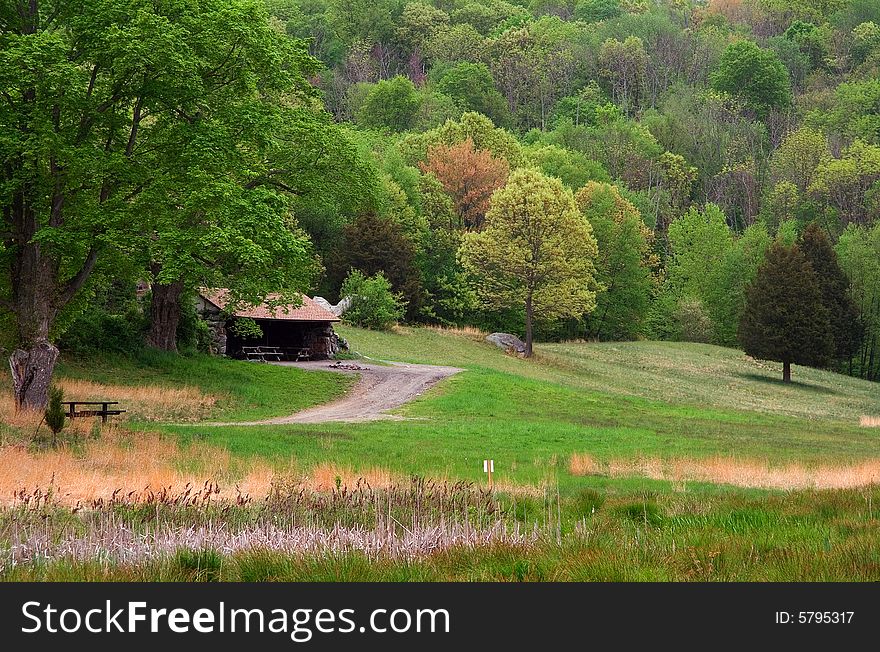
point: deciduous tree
(472, 86)
(859, 254)
(756, 75)
(623, 266)
(392, 104)
(105, 107)
(623, 65)
(469, 175)
(535, 253)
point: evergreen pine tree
(785, 319)
(54, 414)
(846, 326)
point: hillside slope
(677, 373)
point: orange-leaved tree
(469, 176)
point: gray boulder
(507, 342)
(338, 309)
(321, 301)
(343, 305)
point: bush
(694, 325)
(54, 415)
(193, 333)
(99, 329)
(373, 304)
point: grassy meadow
(624, 461)
(612, 402)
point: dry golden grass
(142, 403)
(583, 464)
(145, 402)
(469, 332)
(869, 422)
(113, 463)
(120, 463)
(324, 477)
(741, 473)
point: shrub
(373, 304)
(693, 324)
(54, 415)
(193, 332)
(99, 329)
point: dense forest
(278, 145)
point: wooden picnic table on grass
(104, 412)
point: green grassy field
(622, 401)
(608, 400)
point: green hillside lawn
(621, 400)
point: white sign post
(489, 467)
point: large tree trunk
(165, 315)
(786, 372)
(32, 374)
(529, 311)
(35, 297)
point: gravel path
(379, 389)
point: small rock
(507, 342)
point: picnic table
(276, 354)
(262, 353)
(299, 353)
(104, 412)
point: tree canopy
(536, 251)
(755, 75)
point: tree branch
(135, 123)
(73, 285)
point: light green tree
(858, 251)
(536, 252)
(417, 24)
(472, 86)
(849, 183)
(854, 112)
(623, 64)
(798, 156)
(725, 298)
(699, 241)
(572, 168)
(373, 303)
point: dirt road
(379, 389)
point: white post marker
(489, 467)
